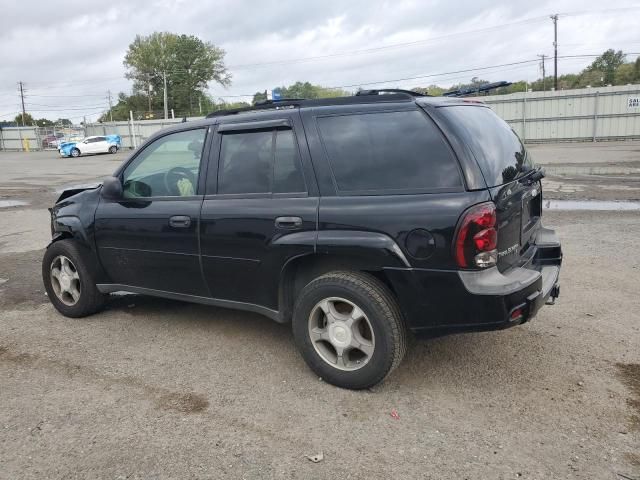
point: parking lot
(154, 388)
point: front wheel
(75, 152)
(349, 329)
(113, 149)
(68, 280)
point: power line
(388, 47)
(64, 96)
(599, 12)
(29, 104)
(417, 77)
(421, 42)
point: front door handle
(180, 221)
(289, 223)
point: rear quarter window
(499, 152)
(389, 152)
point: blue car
(97, 144)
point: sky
(69, 53)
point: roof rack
(463, 92)
(364, 96)
(262, 105)
(378, 91)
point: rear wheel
(75, 152)
(113, 149)
(349, 329)
(68, 282)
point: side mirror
(111, 189)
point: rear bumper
(440, 302)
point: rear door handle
(289, 223)
(180, 221)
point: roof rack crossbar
(280, 100)
(463, 92)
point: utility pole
(149, 96)
(22, 100)
(110, 106)
(166, 110)
(543, 56)
(555, 51)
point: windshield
(498, 150)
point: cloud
(76, 47)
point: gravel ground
(160, 389)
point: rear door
(100, 145)
(260, 209)
(505, 165)
(387, 170)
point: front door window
(168, 167)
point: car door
(260, 210)
(91, 145)
(149, 238)
(100, 145)
(85, 146)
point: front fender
(69, 227)
(73, 216)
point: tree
(136, 103)
(607, 63)
(28, 119)
(188, 64)
(44, 122)
(625, 73)
(433, 90)
(259, 97)
(302, 90)
(65, 122)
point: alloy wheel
(341, 333)
(65, 280)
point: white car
(96, 144)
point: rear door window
(401, 152)
(263, 161)
(497, 149)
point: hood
(67, 144)
(75, 189)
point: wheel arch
(301, 270)
(71, 228)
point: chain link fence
(38, 138)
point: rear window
(498, 150)
(388, 151)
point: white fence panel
(588, 114)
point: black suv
(357, 219)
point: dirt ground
(151, 388)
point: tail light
(477, 238)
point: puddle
(12, 203)
(604, 205)
(591, 170)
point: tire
(113, 149)
(75, 152)
(384, 333)
(74, 277)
